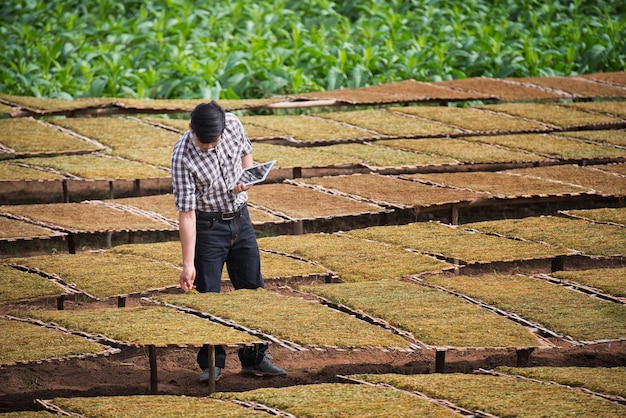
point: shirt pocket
(231, 167)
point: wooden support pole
(153, 369)
(137, 188)
(71, 243)
(111, 194)
(523, 355)
(66, 195)
(211, 369)
(298, 228)
(60, 300)
(440, 361)
(558, 263)
(454, 214)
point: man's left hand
(241, 188)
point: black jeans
(232, 242)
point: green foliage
(245, 49)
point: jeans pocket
(204, 227)
(245, 217)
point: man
(214, 223)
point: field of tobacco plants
(251, 49)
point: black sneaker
(265, 367)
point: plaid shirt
(204, 180)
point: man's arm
(247, 161)
(187, 232)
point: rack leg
(153, 369)
(211, 369)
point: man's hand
(187, 277)
(240, 188)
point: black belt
(220, 216)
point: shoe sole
(260, 373)
(207, 379)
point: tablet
(255, 174)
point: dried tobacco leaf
(341, 400)
(163, 204)
(14, 172)
(549, 145)
(85, 217)
(286, 156)
(581, 176)
(149, 406)
(500, 183)
(143, 325)
(289, 318)
(612, 215)
(381, 156)
(432, 316)
(606, 380)
(120, 133)
(29, 135)
(105, 274)
(27, 342)
(617, 107)
(304, 203)
(16, 285)
(436, 238)
(587, 237)
(389, 123)
(54, 105)
(461, 150)
(551, 113)
(272, 265)
(613, 136)
(471, 118)
(99, 166)
(12, 228)
(306, 128)
(502, 396)
(392, 190)
(555, 307)
(353, 259)
(610, 280)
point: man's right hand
(187, 277)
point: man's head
(207, 122)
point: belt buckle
(228, 216)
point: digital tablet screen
(255, 174)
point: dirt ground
(128, 372)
